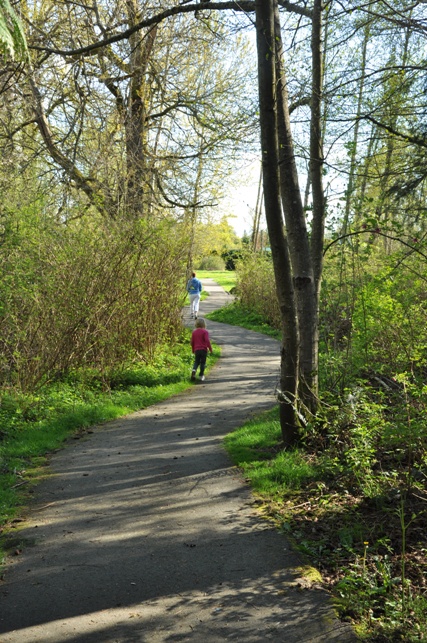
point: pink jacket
(200, 340)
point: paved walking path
(145, 532)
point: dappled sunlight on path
(146, 532)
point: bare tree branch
(246, 6)
(88, 185)
(421, 142)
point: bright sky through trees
(241, 199)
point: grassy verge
(273, 472)
(353, 498)
(361, 525)
(237, 316)
(33, 425)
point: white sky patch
(240, 203)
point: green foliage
(211, 262)
(372, 314)
(85, 297)
(388, 328)
(231, 258)
(213, 239)
(371, 593)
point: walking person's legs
(192, 304)
(196, 304)
(199, 360)
(203, 356)
(196, 364)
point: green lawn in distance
(225, 278)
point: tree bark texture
(299, 244)
(274, 217)
(316, 143)
(316, 173)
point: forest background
(122, 125)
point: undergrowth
(353, 497)
(354, 503)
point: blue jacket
(194, 286)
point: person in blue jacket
(194, 289)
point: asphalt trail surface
(144, 531)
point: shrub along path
(145, 531)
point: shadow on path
(146, 532)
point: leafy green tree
(126, 122)
(214, 238)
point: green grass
(33, 425)
(225, 278)
(255, 448)
(235, 315)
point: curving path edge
(145, 532)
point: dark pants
(200, 360)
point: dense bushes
(373, 312)
(74, 296)
(372, 315)
(256, 286)
(231, 258)
(211, 262)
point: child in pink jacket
(200, 344)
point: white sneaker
(202, 378)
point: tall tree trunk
(319, 209)
(273, 212)
(299, 245)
